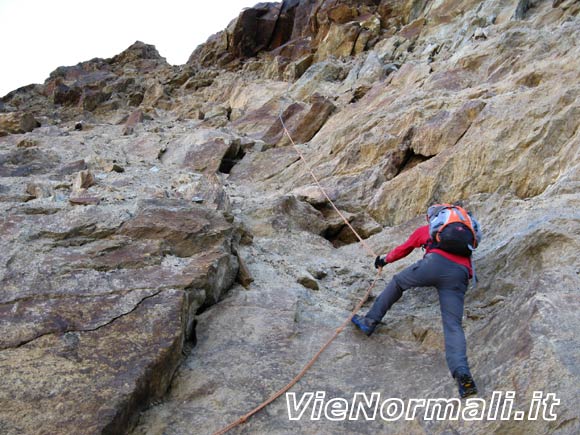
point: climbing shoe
(466, 385)
(365, 324)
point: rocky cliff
(167, 263)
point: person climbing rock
(449, 240)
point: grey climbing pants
(451, 281)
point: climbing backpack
(452, 229)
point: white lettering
(508, 404)
(361, 404)
(318, 404)
(412, 408)
(337, 408)
(392, 409)
(555, 402)
(295, 411)
(494, 405)
(535, 405)
(450, 410)
(474, 409)
(364, 406)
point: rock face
(102, 275)
(15, 122)
(167, 262)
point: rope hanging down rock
(337, 332)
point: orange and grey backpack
(453, 229)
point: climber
(449, 239)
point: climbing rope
(315, 178)
(337, 332)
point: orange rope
(360, 239)
(310, 363)
(302, 372)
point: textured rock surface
(102, 274)
(121, 237)
(17, 123)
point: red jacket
(420, 238)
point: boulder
(261, 166)
(134, 119)
(412, 30)
(213, 52)
(138, 51)
(253, 29)
(40, 190)
(83, 180)
(313, 195)
(28, 143)
(266, 26)
(65, 95)
(106, 281)
(308, 281)
(17, 123)
(301, 122)
(210, 156)
(339, 42)
(83, 197)
(184, 229)
(323, 78)
(22, 162)
(79, 364)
